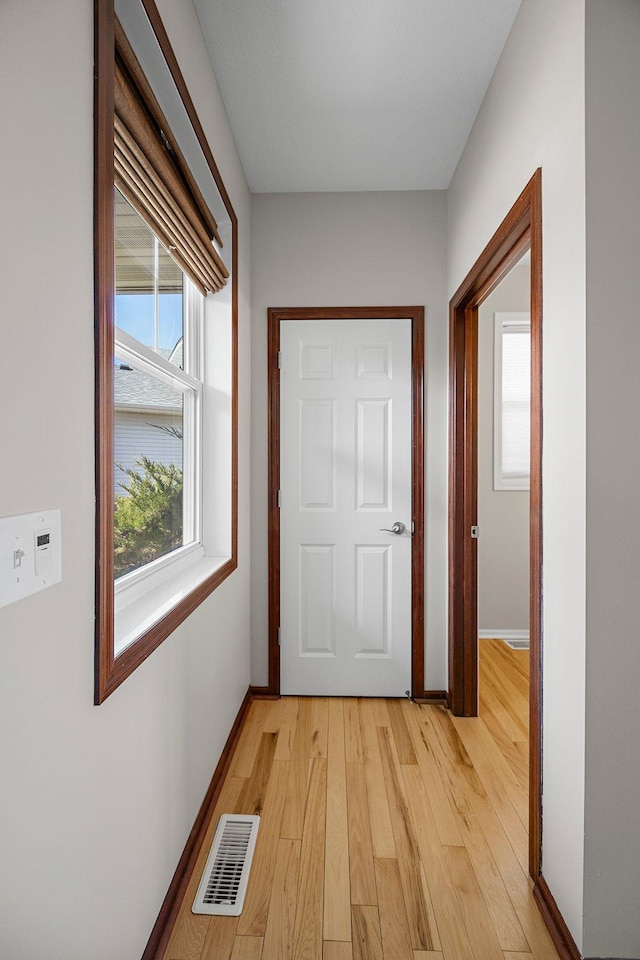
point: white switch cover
(30, 554)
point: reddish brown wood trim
(535, 536)
(104, 269)
(417, 496)
(433, 696)
(416, 315)
(273, 320)
(521, 228)
(263, 693)
(109, 671)
(131, 658)
(558, 930)
(161, 932)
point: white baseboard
(500, 634)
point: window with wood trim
(166, 368)
(512, 401)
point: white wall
(533, 115)
(503, 515)
(97, 802)
(612, 813)
(354, 249)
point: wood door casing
(416, 315)
(520, 230)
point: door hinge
(279, 359)
(475, 532)
(279, 499)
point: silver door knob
(398, 527)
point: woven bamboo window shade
(152, 174)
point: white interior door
(345, 473)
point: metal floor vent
(224, 881)
(518, 644)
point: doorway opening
(521, 231)
(368, 555)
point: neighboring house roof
(135, 390)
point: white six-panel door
(345, 455)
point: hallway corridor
(389, 831)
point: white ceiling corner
(334, 95)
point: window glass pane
(148, 454)
(169, 308)
(149, 285)
(516, 392)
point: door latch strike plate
(475, 532)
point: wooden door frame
(521, 229)
(416, 315)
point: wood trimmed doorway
(520, 230)
(416, 315)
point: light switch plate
(30, 554)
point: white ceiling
(353, 94)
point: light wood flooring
(389, 831)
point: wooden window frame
(111, 671)
(502, 482)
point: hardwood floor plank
(253, 794)
(337, 898)
(307, 940)
(247, 948)
(427, 955)
(502, 657)
(293, 815)
(514, 662)
(319, 727)
(482, 933)
(337, 950)
(245, 755)
(510, 688)
(439, 797)
(401, 736)
(451, 929)
(278, 938)
(421, 936)
(381, 712)
(354, 747)
(485, 753)
(368, 730)
(361, 871)
(464, 784)
(287, 727)
(253, 919)
(510, 749)
(508, 705)
(188, 938)
(509, 955)
(367, 939)
(220, 939)
(495, 790)
(394, 926)
(384, 846)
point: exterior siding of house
(137, 434)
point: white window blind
(512, 393)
